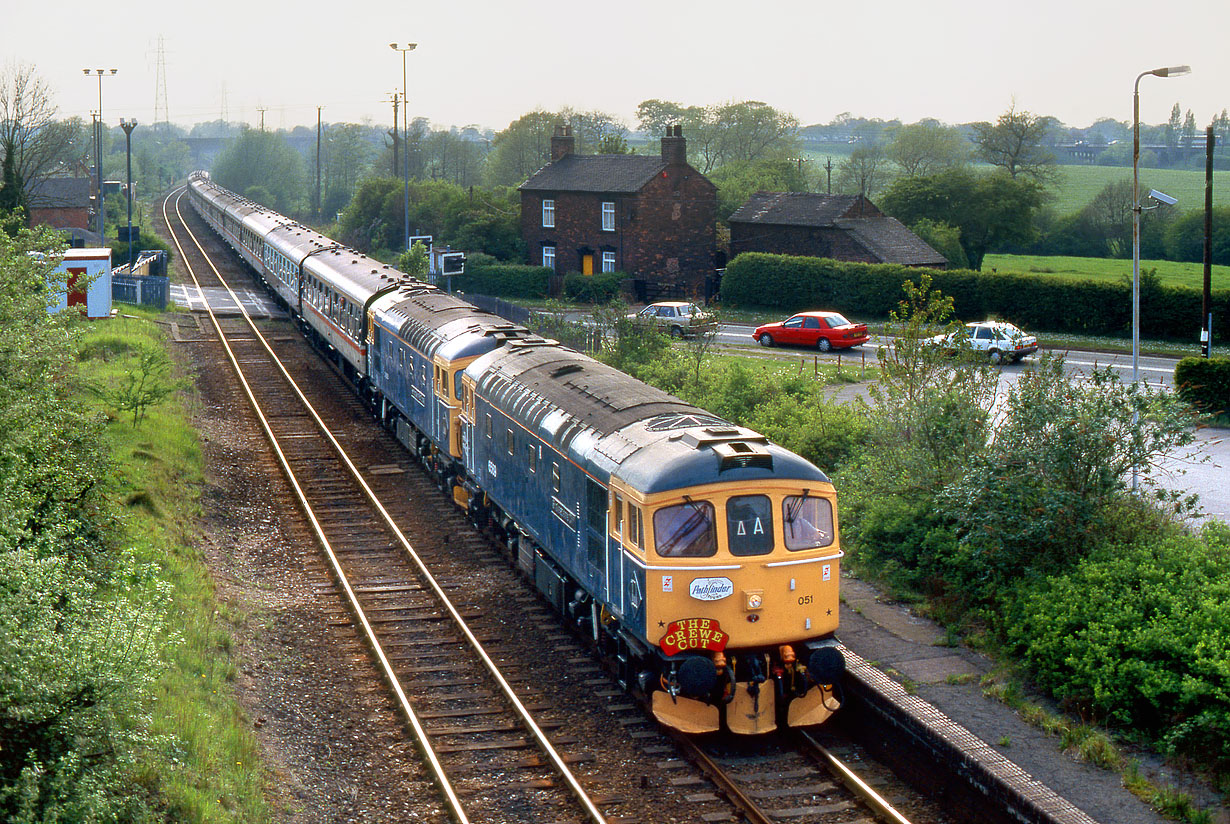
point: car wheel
(676, 332)
(824, 345)
(995, 357)
(766, 340)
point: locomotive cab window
(807, 522)
(636, 527)
(617, 515)
(685, 530)
(749, 525)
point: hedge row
(873, 290)
(507, 280)
(1204, 383)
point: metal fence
(506, 310)
(142, 290)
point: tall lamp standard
(128, 126)
(405, 142)
(1170, 71)
(98, 145)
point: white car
(1000, 341)
(679, 319)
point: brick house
(842, 227)
(653, 218)
(63, 203)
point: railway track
(478, 736)
(495, 732)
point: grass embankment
(208, 769)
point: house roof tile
(595, 173)
(798, 208)
(888, 239)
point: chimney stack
(674, 146)
(562, 142)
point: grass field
(1080, 184)
(1169, 272)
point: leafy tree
(1016, 142)
(613, 144)
(944, 239)
(414, 261)
(927, 147)
(12, 189)
(265, 160)
(737, 181)
(521, 149)
(1173, 126)
(746, 131)
(1189, 128)
(346, 156)
(863, 172)
(1184, 237)
(989, 209)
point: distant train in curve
(701, 558)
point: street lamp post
(1170, 71)
(405, 143)
(128, 126)
(98, 147)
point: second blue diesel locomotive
(701, 558)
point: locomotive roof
(617, 424)
(429, 320)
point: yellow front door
(587, 264)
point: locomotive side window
(807, 522)
(617, 515)
(685, 530)
(555, 477)
(488, 426)
(636, 527)
(749, 525)
(533, 459)
(510, 442)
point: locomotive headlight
(753, 599)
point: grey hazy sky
(489, 61)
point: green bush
(1204, 383)
(793, 283)
(598, 288)
(505, 280)
(1136, 636)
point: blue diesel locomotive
(700, 558)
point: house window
(608, 261)
(608, 216)
(548, 214)
(548, 257)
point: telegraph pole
(262, 110)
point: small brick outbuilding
(651, 217)
(842, 227)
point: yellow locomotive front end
(741, 599)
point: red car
(821, 330)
